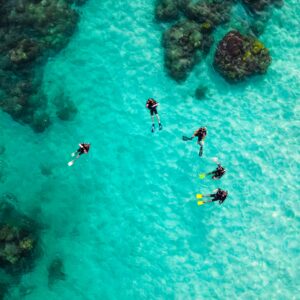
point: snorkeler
(151, 104)
(218, 195)
(218, 172)
(201, 134)
(83, 148)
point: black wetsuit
(219, 172)
(201, 134)
(151, 105)
(83, 149)
(220, 196)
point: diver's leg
(201, 148)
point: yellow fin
(200, 202)
(202, 176)
(199, 196)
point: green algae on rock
(238, 57)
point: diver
(151, 104)
(83, 148)
(218, 172)
(201, 134)
(218, 195)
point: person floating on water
(83, 148)
(218, 195)
(201, 134)
(151, 104)
(218, 172)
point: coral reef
(15, 244)
(193, 34)
(169, 10)
(166, 10)
(18, 239)
(187, 39)
(200, 92)
(238, 57)
(56, 271)
(31, 31)
(257, 6)
(181, 43)
(212, 13)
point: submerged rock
(18, 240)
(166, 10)
(26, 51)
(212, 13)
(56, 271)
(169, 10)
(238, 57)
(181, 43)
(200, 92)
(257, 6)
(30, 31)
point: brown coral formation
(238, 57)
(185, 42)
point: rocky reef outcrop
(56, 271)
(213, 12)
(169, 10)
(238, 56)
(19, 245)
(19, 239)
(257, 6)
(182, 42)
(188, 40)
(30, 32)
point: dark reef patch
(181, 43)
(65, 107)
(238, 57)
(30, 32)
(169, 10)
(19, 243)
(200, 92)
(56, 271)
(19, 239)
(214, 12)
(257, 6)
(186, 41)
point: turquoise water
(124, 218)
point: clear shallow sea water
(124, 218)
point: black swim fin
(201, 151)
(160, 126)
(153, 128)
